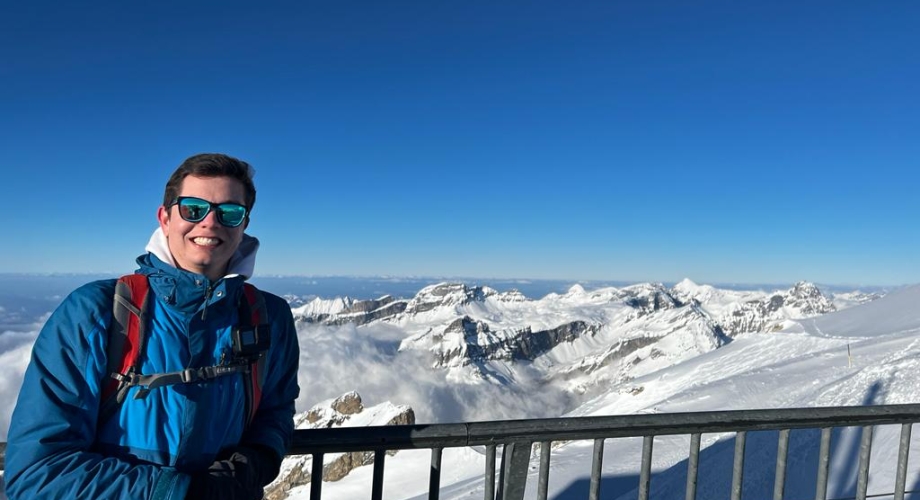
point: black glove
(238, 474)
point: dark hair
(211, 165)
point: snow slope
(804, 365)
(865, 354)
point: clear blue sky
(720, 141)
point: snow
(897, 312)
(867, 354)
(319, 306)
(804, 365)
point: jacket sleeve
(273, 425)
(53, 427)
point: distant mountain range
(579, 338)
(584, 343)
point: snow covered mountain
(579, 340)
(866, 354)
(458, 352)
(742, 312)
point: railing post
(490, 473)
(515, 460)
(865, 450)
(782, 451)
(434, 481)
(903, 453)
(823, 463)
(379, 458)
(597, 462)
(693, 464)
(645, 472)
(316, 477)
(543, 484)
(738, 465)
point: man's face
(204, 247)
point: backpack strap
(127, 340)
(254, 315)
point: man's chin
(206, 267)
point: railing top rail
(574, 428)
(393, 437)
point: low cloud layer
(338, 359)
(15, 349)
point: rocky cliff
(345, 411)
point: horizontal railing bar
(395, 437)
(345, 439)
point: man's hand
(237, 476)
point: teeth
(206, 241)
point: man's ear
(163, 218)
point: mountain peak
(447, 294)
(686, 283)
(805, 289)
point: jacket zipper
(207, 299)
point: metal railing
(517, 438)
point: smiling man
(175, 383)
(206, 246)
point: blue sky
(759, 142)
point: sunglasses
(195, 210)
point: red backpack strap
(127, 337)
(254, 314)
(127, 340)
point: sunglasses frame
(215, 207)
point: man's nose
(210, 219)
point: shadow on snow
(716, 462)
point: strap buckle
(189, 375)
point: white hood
(242, 263)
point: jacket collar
(190, 291)
(242, 263)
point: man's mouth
(206, 242)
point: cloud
(15, 350)
(338, 359)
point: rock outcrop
(345, 411)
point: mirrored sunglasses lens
(231, 214)
(193, 209)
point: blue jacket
(147, 450)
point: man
(191, 438)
